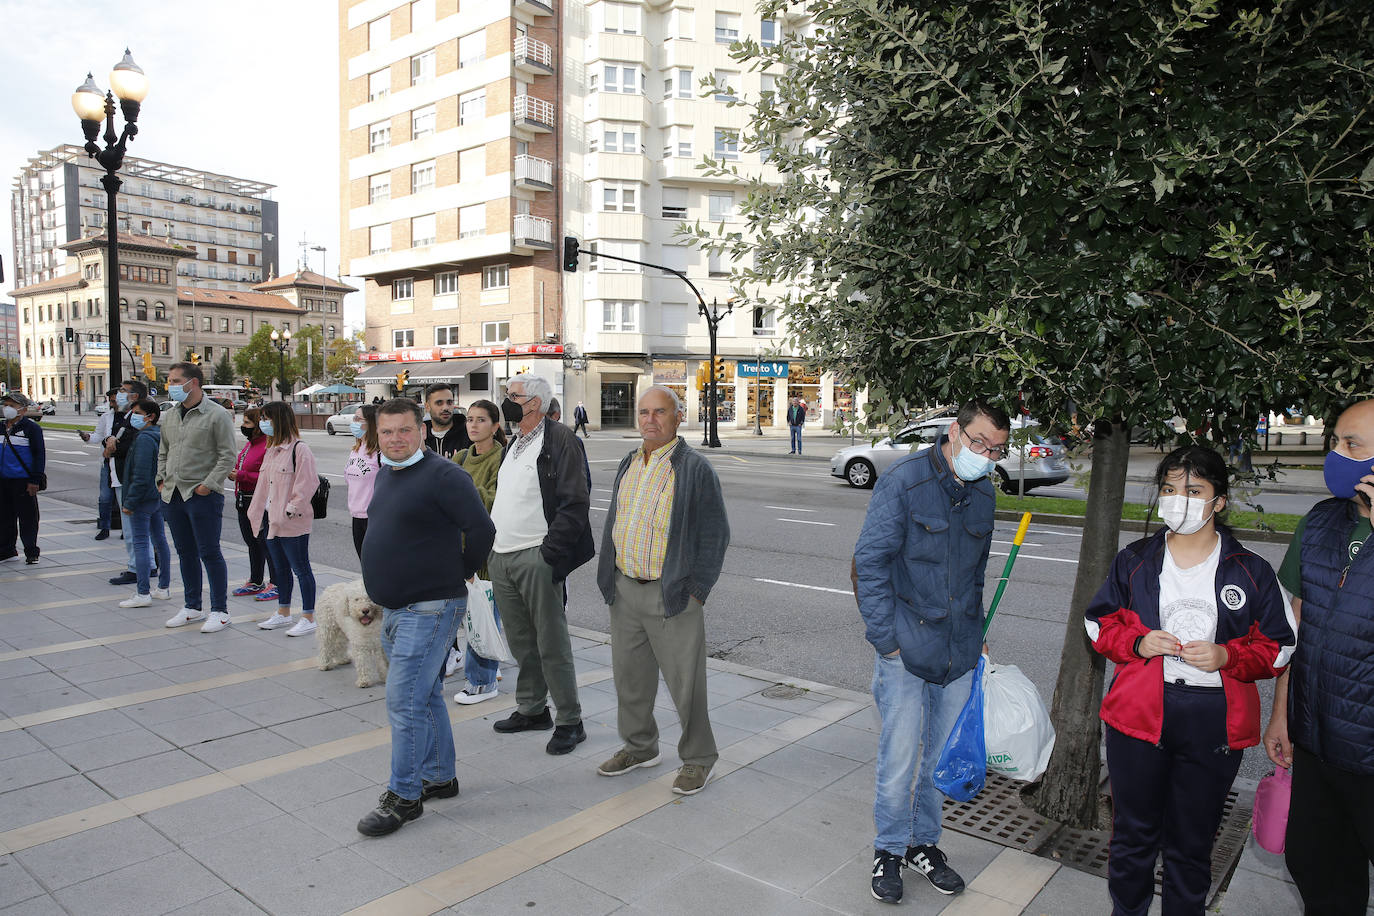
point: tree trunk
(1068, 791)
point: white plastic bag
(484, 636)
(1016, 725)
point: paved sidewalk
(146, 770)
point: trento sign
(765, 369)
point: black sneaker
(887, 876)
(430, 790)
(102, 534)
(519, 722)
(930, 861)
(565, 738)
(391, 813)
(124, 578)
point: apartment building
(9, 328)
(227, 223)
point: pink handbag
(1269, 821)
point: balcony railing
(534, 230)
(533, 51)
(533, 170)
(534, 113)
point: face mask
(1184, 514)
(413, 459)
(247, 432)
(265, 426)
(356, 429)
(177, 393)
(512, 411)
(137, 420)
(122, 399)
(1341, 473)
(10, 412)
(970, 465)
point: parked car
(339, 422)
(860, 465)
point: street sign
(97, 354)
(765, 369)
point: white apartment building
(227, 223)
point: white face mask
(1184, 514)
(10, 412)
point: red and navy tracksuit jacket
(1254, 624)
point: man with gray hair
(661, 553)
(543, 533)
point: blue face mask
(1342, 473)
(137, 420)
(970, 465)
(413, 459)
(356, 429)
(122, 399)
(177, 393)
(265, 426)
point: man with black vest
(1323, 715)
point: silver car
(339, 422)
(860, 465)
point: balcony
(531, 234)
(534, 173)
(533, 114)
(534, 7)
(533, 57)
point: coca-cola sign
(430, 354)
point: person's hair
(368, 442)
(140, 389)
(283, 422)
(978, 407)
(1199, 462)
(253, 415)
(554, 408)
(534, 387)
(495, 413)
(189, 370)
(112, 391)
(672, 396)
(405, 406)
(149, 407)
(437, 387)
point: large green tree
(260, 362)
(224, 370)
(1131, 208)
(343, 362)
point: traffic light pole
(713, 316)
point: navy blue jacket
(919, 565)
(140, 469)
(23, 457)
(1331, 687)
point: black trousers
(1169, 798)
(1330, 842)
(18, 516)
(258, 557)
(359, 529)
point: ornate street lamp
(281, 341)
(129, 83)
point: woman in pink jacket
(287, 482)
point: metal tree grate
(783, 692)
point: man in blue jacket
(22, 463)
(918, 577)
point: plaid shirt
(642, 510)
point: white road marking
(813, 588)
(67, 451)
(1023, 543)
(600, 508)
(788, 509)
(1027, 556)
(802, 521)
(75, 464)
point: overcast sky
(248, 89)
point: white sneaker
(186, 615)
(454, 662)
(470, 695)
(276, 622)
(217, 621)
(161, 594)
(303, 627)
(137, 601)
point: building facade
(227, 223)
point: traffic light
(195, 358)
(71, 336)
(148, 368)
(402, 378)
(720, 368)
(570, 254)
(701, 377)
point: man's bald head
(1355, 430)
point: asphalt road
(783, 602)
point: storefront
(672, 374)
(807, 386)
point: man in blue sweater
(427, 533)
(22, 462)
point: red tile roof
(126, 240)
(233, 298)
(73, 280)
(306, 279)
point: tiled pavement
(146, 770)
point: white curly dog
(350, 629)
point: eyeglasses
(995, 452)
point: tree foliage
(260, 361)
(224, 370)
(343, 362)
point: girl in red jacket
(1191, 619)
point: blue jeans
(195, 526)
(146, 534)
(795, 442)
(292, 555)
(416, 640)
(478, 670)
(917, 719)
(117, 495)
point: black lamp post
(281, 341)
(128, 82)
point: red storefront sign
(430, 354)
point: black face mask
(247, 432)
(512, 411)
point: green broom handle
(1006, 570)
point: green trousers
(532, 612)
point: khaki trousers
(532, 613)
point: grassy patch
(1278, 521)
(71, 427)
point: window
(159, 310)
(619, 316)
(768, 84)
(59, 311)
(678, 83)
(238, 325)
(378, 190)
(472, 49)
(722, 206)
(495, 332)
(422, 176)
(164, 345)
(379, 85)
(331, 331)
(224, 325)
(206, 323)
(405, 337)
(93, 271)
(379, 31)
(764, 322)
(727, 28)
(726, 81)
(769, 32)
(682, 24)
(446, 283)
(472, 221)
(673, 316)
(446, 336)
(616, 137)
(678, 143)
(624, 249)
(190, 323)
(620, 197)
(472, 163)
(379, 239)
(421, 13)
(674, 257)
(26, 316)
(140, 310)
(423, 122)
(716, 266)
(727, 144)
(496, 276)
(422, 230)
(403, 288)
(379, 136)
(422, 67)
(472, 107)
(620, 17)
(76, 309)
(620, 78)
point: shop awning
(423, 373)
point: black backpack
(319, 503)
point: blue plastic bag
(962, 769)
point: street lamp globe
(275, 336)
(287, 334)
(88, 101)
(128, 80)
